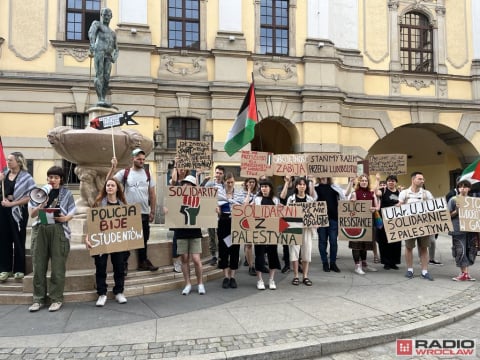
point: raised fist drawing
(190, 209)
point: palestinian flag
(290, 225)
(243, 129)
(46, 215)
(3, 160)
(472, 172)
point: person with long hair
(300, 196)
(51, 242)
(228, 255)
(17, 183)
(110, 195)
(250, 188)
(360, 248)
(265, 197)
(390, 253)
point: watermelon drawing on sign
(244, 224)
(353, 233)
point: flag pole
(113, 143)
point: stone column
(395, 64)
(476, 50)
(440, 39)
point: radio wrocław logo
(436, 347)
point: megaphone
(40, 195)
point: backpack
(127, 171)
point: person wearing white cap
(139, 188)
(189, 243)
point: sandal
(296, 281)
(376, 260)
(307, 282)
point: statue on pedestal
(104, 50)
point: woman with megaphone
(51, 241)
(16, 185)
(111, 194)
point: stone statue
(104, 49)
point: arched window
(416, 43)
(274, 27)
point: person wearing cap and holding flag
(139, 188)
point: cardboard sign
(391, 164)
(355, 220)
(196, 155)
(191, 207)
(115, 228)
(420, 218)
(267, 224)
(255, 164)
(468, 213)
(314, 213)
(289, 164)
(331, 165)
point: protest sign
(314, 213)
(391, 164)
(331, 165)
(355, 220)
(191, 207)
(289, 164)
(420, 218)
(267, 224)
(193, 155)
(468, 213)
(115, 228)
(255, 164)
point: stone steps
(80, 284)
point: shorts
(306, 247)
(189, 246)
(423, 242)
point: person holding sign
(359, 248)
(16, 186)
(416, 192)
(390, 253)
(300, 196)
(250, 189)
(189, 243)
(265, 197)
(464, 248)
(111, 194)
(228, 254)
(51, 241)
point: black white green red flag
(472, 172)
(243, 129)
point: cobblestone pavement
(297, 343)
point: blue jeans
(329, 234)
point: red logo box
(404, 347)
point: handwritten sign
(267, 225)
(331, 164)
(191, 207)
(194, 155)
(421, 218)
(355, 220)
(255, 164)
(392, 164)
(468, 213)
(314, 213)
(289, 164)
(115, 228)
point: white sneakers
(187, 289)
(121, 299)
(369, 269)
(55, 306)
(260, 285)
(177, 266)
(271, 284)
(102, 299)
(359, 270)
(201, 289)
